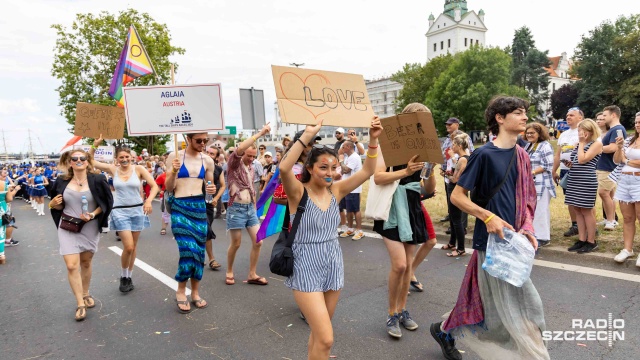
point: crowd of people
(512, 180)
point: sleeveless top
(38, 182)
(184, 172)
(127, 192)
(317, 226)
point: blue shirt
(605, 163)
(485, 170)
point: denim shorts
(240, 216)
(562, 173)
(628, 189)
(353, 202)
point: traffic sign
(229, 130)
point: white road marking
(559, 266)
(170, 282)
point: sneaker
(573, 230)
(543, 243)
(638, 262)
(347, 233)
(577, 245)
(130, 284)
(622, 256)
(448, 346)
(445, 219)
(359, 235)
(223, 211)
(393, 328)
(124, 285)
(407, 321)
(609, 226)
(342, 229)
(12, 242)
(601, 223)
(588, 247)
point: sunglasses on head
(76, 158)
(321, 146)
(575, 108)
(201, 141)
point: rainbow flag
(134, 62)
(273, 213)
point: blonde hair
(462, 140)
(415, 107)
(65, 160)
(590, 126)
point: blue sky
(236, 42)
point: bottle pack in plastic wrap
(509, 259)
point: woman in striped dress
(582, 185)
(318, 269)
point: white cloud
(17, 106)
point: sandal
(416, 285)
(258, 281)
(214, 265)
(87, 303)
(83, 313)
(230, 280)
(163, 232)
(447, 247)
(181, 310)
(200, 301)
(456, 253)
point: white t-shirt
(566, 142)
(354, 163)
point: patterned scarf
(468, 310)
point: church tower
(455, 30)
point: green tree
(564, 98)
(85, 57)
(417, 79)
(528, 67)
(607, 64)
(465, 88)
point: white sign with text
(102, 153)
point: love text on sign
(305, 96)
(406, 135)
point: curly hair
(502, 105)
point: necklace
(315, 195)
(79, 182)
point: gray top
(127, 192)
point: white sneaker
(623, 255)
(601, 223)
(638, 262)
(359, 235)
(610, 226)
(342, 229)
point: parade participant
(566, 143)
(429, 186)
(357, 145)
(318, 269)
(286, 141)
(7, 193)
(130, 213)
(166, 217)
(262, 148)
(405, 229)
(38, 192)
(606, 187)
(78, 248)
(582, 185)
(459, 152)
(241, 213)
(189, 215)
(268, 169)
(218, 181)
(493, 318)
(452, 125)
(352, 164)
(628, 193)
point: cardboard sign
(305, 96)
(93, 120)
(102, 153)
(175, 109)
(406, 135)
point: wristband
(300, 141)
(255, 139)
(486, 221)
(373, 157)
(92, 216)
(372, 147)
(93, 147)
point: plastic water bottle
(208, 198)
(509, 259)
(85, 205)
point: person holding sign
(318, 269)
(130, 214)
(189, 215)
(405, 228)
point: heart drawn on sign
(299, 94)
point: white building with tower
(455, 30)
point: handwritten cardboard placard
(406, 135)
(306, 96)
(93, 120)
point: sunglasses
(81, 158)
(321, 147)
(201, 141)
(338, 132)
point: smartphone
(618, 133)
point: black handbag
(482, 201)
(71, 224)
(281, 262)
(7, 219)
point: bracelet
(93, 147)
(373, 157)
(372, 147)
(255, 139)
(486, 221)
(49, 205)
(300, 141)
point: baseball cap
(268, 153)
(453, 121)
(299, 134)
(340, 130)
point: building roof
(555, 61)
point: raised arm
(248, 142)
(99, 164)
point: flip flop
(214, 265)
(185, 302)
(83, 313)
(459, 253)
(200, 301)
(230, 280)
(163, 232)
(258, 281)
(86, 302)
(416, 285)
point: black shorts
(210, 234)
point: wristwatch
(92, 216)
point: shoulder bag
(379, 199)
(71, 224)
(482, 201)
(281, 262)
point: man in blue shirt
(606, 186)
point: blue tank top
(184, 172)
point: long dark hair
(312, 158)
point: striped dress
(582, 183)
(317, 257)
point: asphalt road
(261, 322)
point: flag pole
(148, 57)
(175, 136)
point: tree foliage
(528, 67)
(607, 64)
(85, 57)
(464, 89)
(564, 98)
(417, 79)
